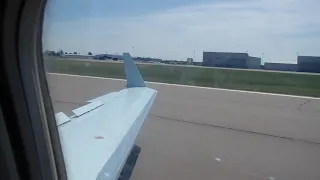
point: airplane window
(186, 89)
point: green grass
(274, 82)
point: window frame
(25, 101)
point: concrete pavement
(202, 133)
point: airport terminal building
(280, 66)
(225, 59)
(231, 60)
(309, 64)
(253, 63)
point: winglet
(134, 78)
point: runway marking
(199, 87)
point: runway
(206, 133)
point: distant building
(190, 61)
(225, 59)
(197, 63)
(174, 62)
(253, 63)
(309, 64)
(108, 56)
(77, 56)
(116, 57)
(147, 59)
(280, 66)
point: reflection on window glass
(238, 81)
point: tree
(53, 53)
(59, 53)
(89, 53)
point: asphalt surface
(199, 133)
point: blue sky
(69, 10)
(172, 29)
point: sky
(276, 30)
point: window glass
(238, 81)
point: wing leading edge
(97, 140)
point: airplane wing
(97, 140)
